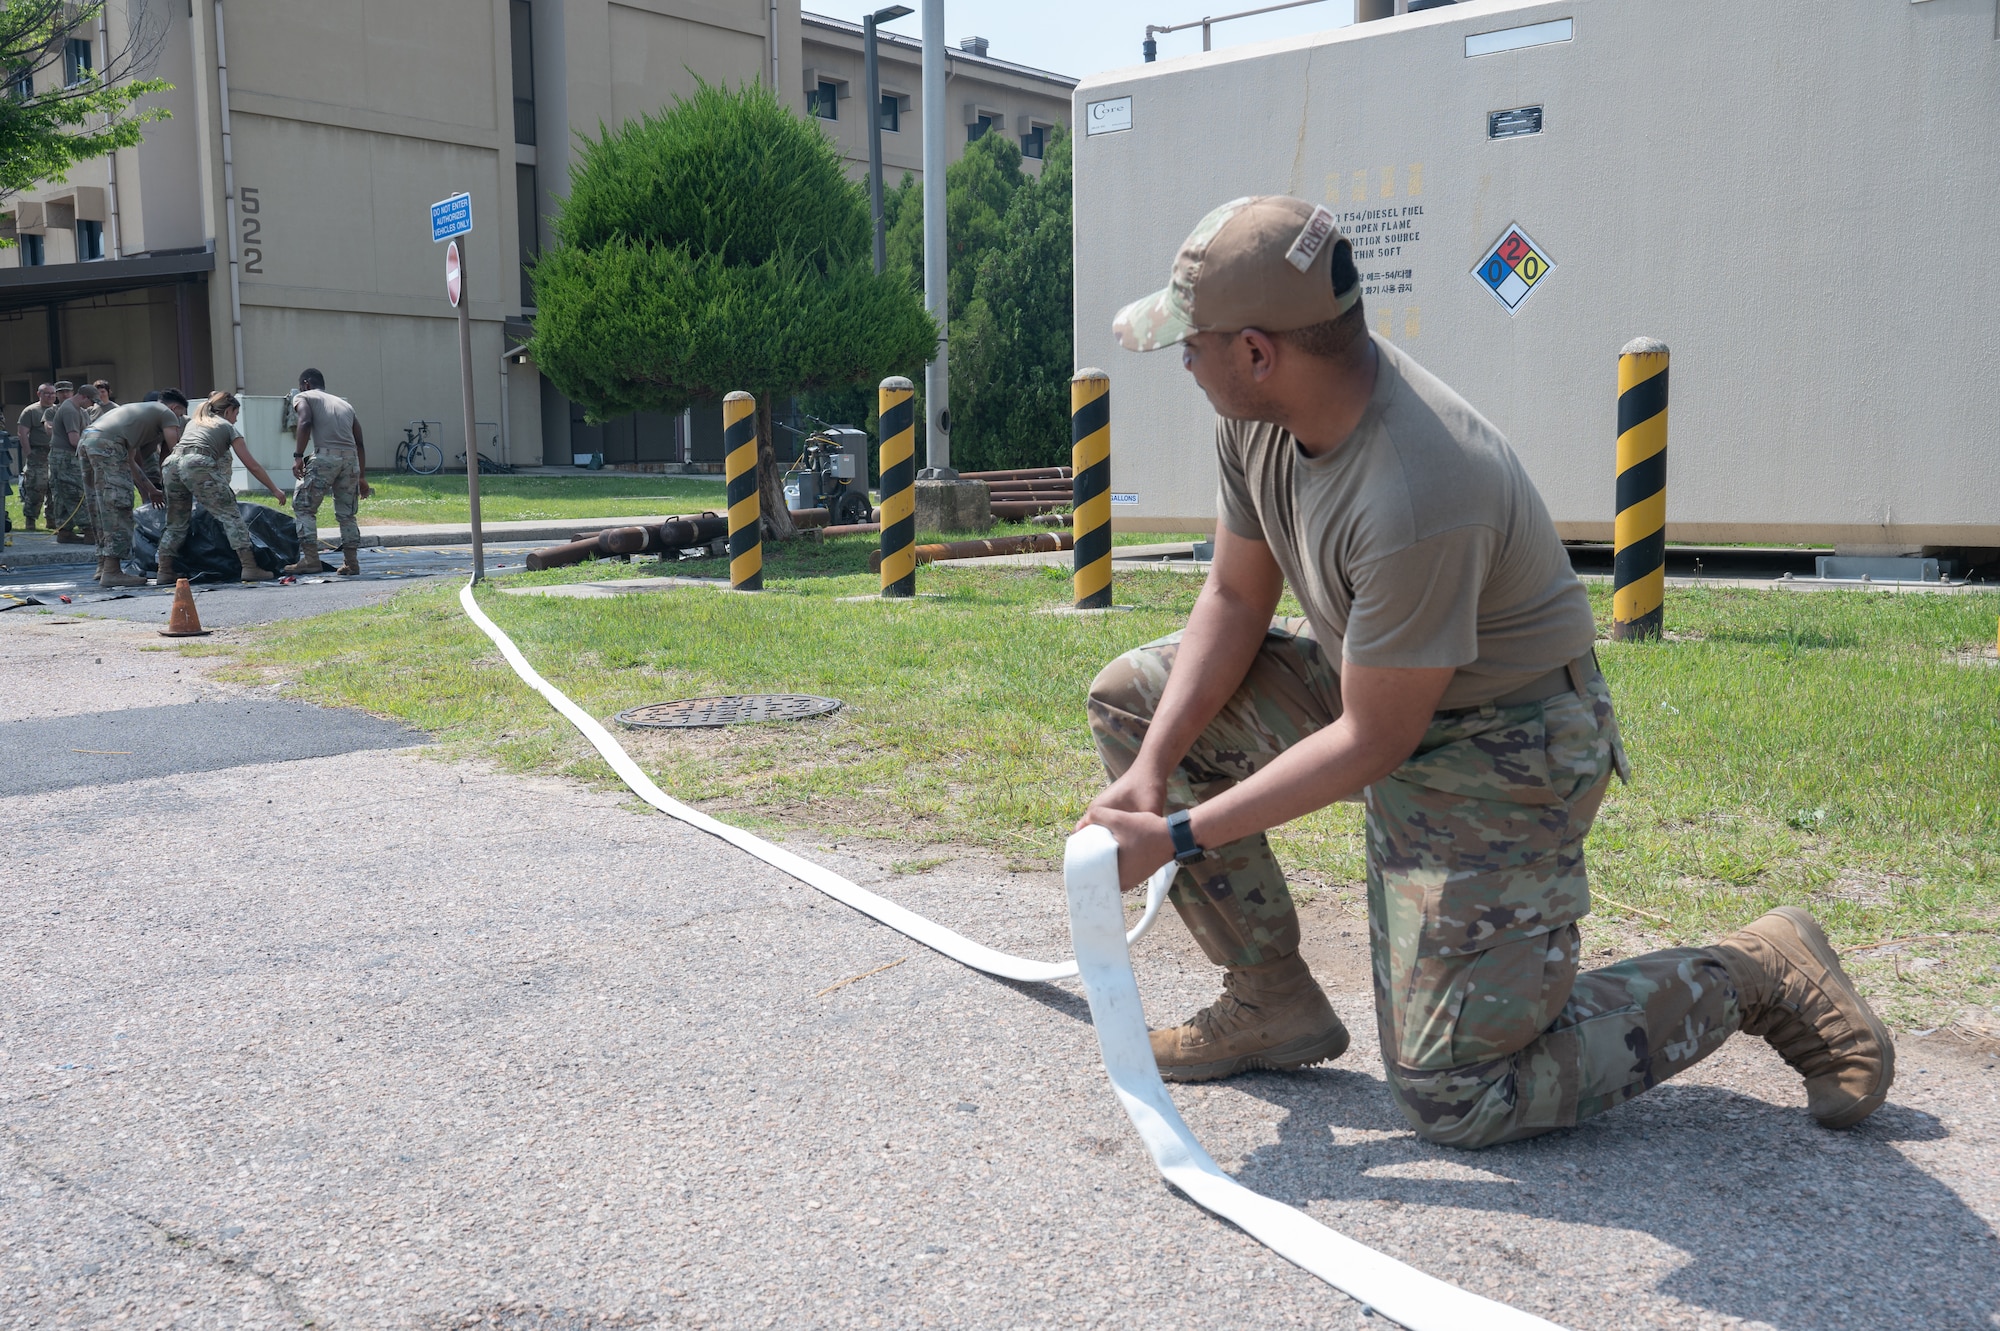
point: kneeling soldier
(199, 470)
(1444, 676)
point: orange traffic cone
(183, 622)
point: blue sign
(452, 217)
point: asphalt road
(451, 1048)
(132, 744)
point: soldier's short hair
(311, 378)
(44, 388)
(174, 395)
(1336, 339)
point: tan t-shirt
(1418, 542)
(37, 419)
(68, 419)
(330, 418)
(207, 440)
(136, 426)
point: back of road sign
(451, 217)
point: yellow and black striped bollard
(896, 400)
(1639, 533)
(746, 512)
(1090, 490)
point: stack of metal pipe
(1026, 491)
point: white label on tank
(1108, 117)
(1517, 39)
(1118, 498)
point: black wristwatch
(1186, 849)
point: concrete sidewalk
(38, 549)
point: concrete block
(953, 506)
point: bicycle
(417, 454)
(488, 467)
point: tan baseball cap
(1268, 261)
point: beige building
(985, 95)
(280, 218)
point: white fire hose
(1400, 1293)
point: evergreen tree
(1012, 350)
(1009, 287)
(715, 247)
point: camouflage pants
(67, 504)
(1475, 882)
(189, 479)
(35, 484)
(336, 472)
(110, 476)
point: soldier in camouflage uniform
(112, 446)
(199, 470)
(69, 502)
(338, 467)
(1444, 676)
(32, 427)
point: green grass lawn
(404, 498)
(401, 498)
(1836, 749)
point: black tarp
(206, 555)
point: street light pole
(937, 374)
(868, 26)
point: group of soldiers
(83, 454)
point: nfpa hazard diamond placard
(1513, 268)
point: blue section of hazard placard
(451, 217)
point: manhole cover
(733, 710)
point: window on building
(890, 113)
(522, 16)
(824, 101)
(1035, 142)
(89, 241)
(977, 129)
(33, 255)
(527, 221)
(77, 61)
(21, 84)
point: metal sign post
(451, 219)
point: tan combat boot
(252, 570)
(350, 561)
(166, 574)
(308, 559)
(1272, 1016)
(111, 574)
(1793, 993)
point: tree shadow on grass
(1782, 1221)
